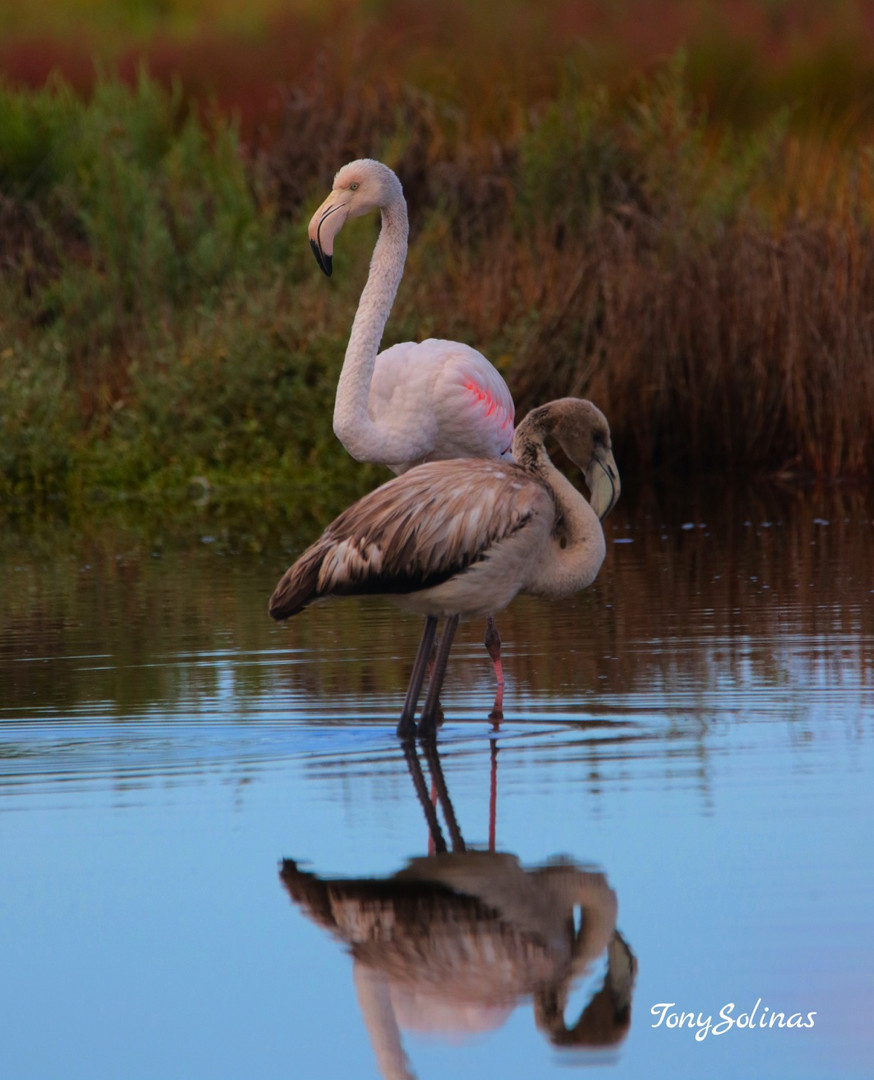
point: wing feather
(414, 532)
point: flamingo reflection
(452, 943)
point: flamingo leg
(428, 719)
(492, 642)
(407, 722)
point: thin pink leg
(492, 642)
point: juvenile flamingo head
(582, 431)
(359, 187)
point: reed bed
(162, 326)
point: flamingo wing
(415, 533)
(446, 397)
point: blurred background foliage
(663, 206)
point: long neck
(578, 546)
(352, 421)
(374, 999)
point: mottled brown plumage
(412, 534)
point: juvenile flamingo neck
(578, 541)
(352, 421)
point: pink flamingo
(416, 401)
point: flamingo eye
(354, 186)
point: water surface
(218, 860)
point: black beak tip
(325, 261)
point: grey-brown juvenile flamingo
(462, 538)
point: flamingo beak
(324, 260)
(602, 478)
(324, 225)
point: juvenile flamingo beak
(602, 478)
(325, 223)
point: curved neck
(374, 999)
(352, 421)
(578, 539)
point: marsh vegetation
(701, 268)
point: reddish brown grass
(743, 343)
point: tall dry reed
(161, 317)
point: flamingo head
(359, 187)
(582, 431)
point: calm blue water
(684, 769)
